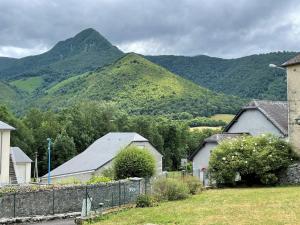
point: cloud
(224, 28)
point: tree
(63, 149)
(134, 162)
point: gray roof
(275, 111)
(98, 154)
(5, 126)
(215, 138)
(292, 61)
(19, 156)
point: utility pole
(35, 172)
(49, 160)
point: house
(200, 157)
(99, 156)
(15, 165)
(256, 118)
(260, 117)
(22, 165)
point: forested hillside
(139, 87)
(246, 77)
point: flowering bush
(255, 160)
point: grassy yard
(224, 117)
(265, 206)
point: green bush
(109, 172)
(143, 201)
(99, 179)
(134, 162)
(257, 160)
(169, 189)
(193, 183)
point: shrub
(257, 160)
(170, 189)
(143, 201)
(193, 183)
(98, 179)
(134, 162)
(108, 172)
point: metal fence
(72, 199)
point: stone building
(293, 94)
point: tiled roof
(292, 61)
(99, 153)
(275, 111)
(5, 126)
(19, 156)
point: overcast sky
(222, 28)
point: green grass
(255, 206)
(224, 117)
(205, 128)
(28, 85)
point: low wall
(291, 175)
(69, 199)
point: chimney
(293, 95)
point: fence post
(86, 199)
(53, 201)
(14, 204)
(119, 193)
(139, 187)
(112, 196)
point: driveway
(54, 222)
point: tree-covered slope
(140, 87)
(247, 77)
(86, 51)
(8, 95)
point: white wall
(4, 152)
(254, 122)
(23, 172)
(201, 159)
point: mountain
(85, 51)
(139, 87)
(8, 95)
(246, 77)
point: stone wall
(291, 175)
(70, 199)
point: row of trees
(74, 129)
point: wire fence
(83, 198)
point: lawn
(224, 117)
(28, 84)
(265, 206)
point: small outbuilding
(100, 155)
(200, 157)
(22, 165)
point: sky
(220, 28)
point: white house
(99, 156)
(22, 165)
(15, 165)
(258, 117)
(200, 157)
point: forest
(73, 129)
